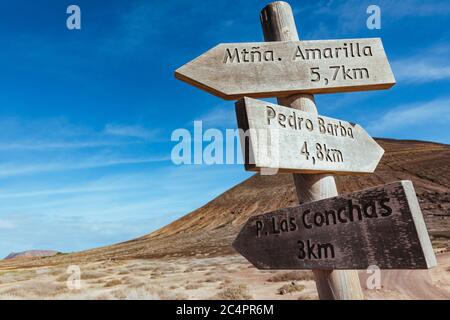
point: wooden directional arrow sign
(290, 140)
(382, 226)
(232, 71)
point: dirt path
(414, 284)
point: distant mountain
(31, 253)
(210, 230)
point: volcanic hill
(209, 230)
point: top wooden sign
(269, 69)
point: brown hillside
(209, 230)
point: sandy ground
(205, 278)
(431, 284)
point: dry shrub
(156, 273)
(219, 268)
(91, 274)
(181, 296)
(192, 286)
(113, 283)
(224, 283)
(189, 270)
(57, 271)
(290, 288)
(142, 267)
(213, 279)
(62, 278)
(292, 276)
(103, 296)
(7, 278)
(238, 292)
(142, 293)
(168, 269)
(308, 297)
(123, 272)
(83, 294)
(85, 275)
(16, 275)
(35, 290)
(120, 294)
(9, 297)
(134, 282)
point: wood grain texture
(278, 24)
(295, 141)
(380, 226)
(268, 69)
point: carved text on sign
(380, 226)
(269, 69)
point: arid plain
(192, 258)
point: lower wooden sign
(381, 226)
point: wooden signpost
(267, 69)
(381, 226)
(335, 236)
(295, 141)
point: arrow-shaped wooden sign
(267, 69)
(277, 137)
(382, 226)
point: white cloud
(58, 133)
(14, 169)
(131, 131)
(221, 116)
(427, 70)
(86, 215)
(412, 116)
(4, 224)
(53, 145)
(107, 186)
(416, 8)
(431, 64)
(397, 9)
(351, 15)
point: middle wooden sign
(290, 140)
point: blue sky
(86, 116)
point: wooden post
(278, 24)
